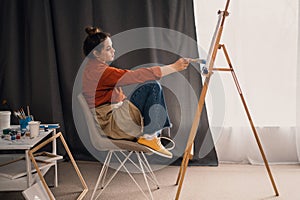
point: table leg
(55, 165)
(28, 169)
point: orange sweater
(102, 83)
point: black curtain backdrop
(41, 53)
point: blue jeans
(149, 99)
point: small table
(25, 144)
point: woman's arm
(113, 76)
(179, 65)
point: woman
(143, 114)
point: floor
(225, 182)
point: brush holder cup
(24, 123)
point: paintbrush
(197, 60)
(28, 111)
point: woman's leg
(149, 99)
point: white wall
(298, 87)
(261, 37)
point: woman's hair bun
(92, 30)
(94, 38)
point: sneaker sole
(156, 152)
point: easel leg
(182, 166)
(250, 120)
(191, 138)
(75, 167)
(182, 171)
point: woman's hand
(179, 65)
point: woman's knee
(154, 84)
(145, 90)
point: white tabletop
(23, 143)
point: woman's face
(107, 53)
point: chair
(116, 148)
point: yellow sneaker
(155, 146)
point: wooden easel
(31, 155)
(215, 46)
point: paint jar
(4, 119)
(34, 128)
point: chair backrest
(100, 142)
